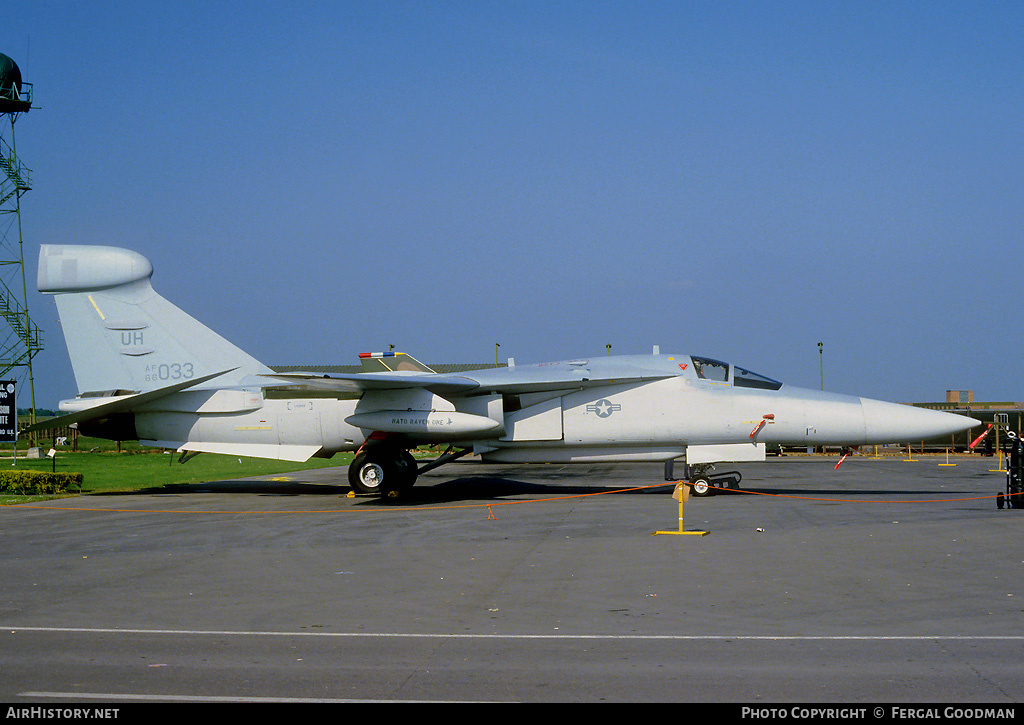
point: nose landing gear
(698, 477)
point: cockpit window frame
(714, 371)
(743, 378)
(723, 373)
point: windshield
(746, 379)
(718, 371)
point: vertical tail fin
(121, 334)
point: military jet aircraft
(147, 371)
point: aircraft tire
(701, 487)
(409, 468)
(402, 478)
(999, 500)
(365, 475)
(387, 473)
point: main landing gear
(384, 470)
(390, 471)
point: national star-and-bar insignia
(603, 408)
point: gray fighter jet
(147, 371)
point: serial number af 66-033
(170, 371)
(147, 370)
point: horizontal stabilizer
(121, 404)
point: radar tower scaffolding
(20, 337)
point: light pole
(821, 366)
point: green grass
(107, 466)
(106, 470)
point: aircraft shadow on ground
(260, 487)
(502, 485)
(463, 489)
(496, 488)
(841, 493)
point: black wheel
(999, 500)
(701, 487)
(366, 475)
(386, 472)
(409, 468)
(402, 478)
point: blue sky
(740, 180)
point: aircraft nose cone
(898, 423)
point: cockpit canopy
(718, 371)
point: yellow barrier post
(681, 493)
(999, 450)
(947, 463)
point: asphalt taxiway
(883, 581)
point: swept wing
(573, 375)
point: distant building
(959, 396)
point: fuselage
(554, 412)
